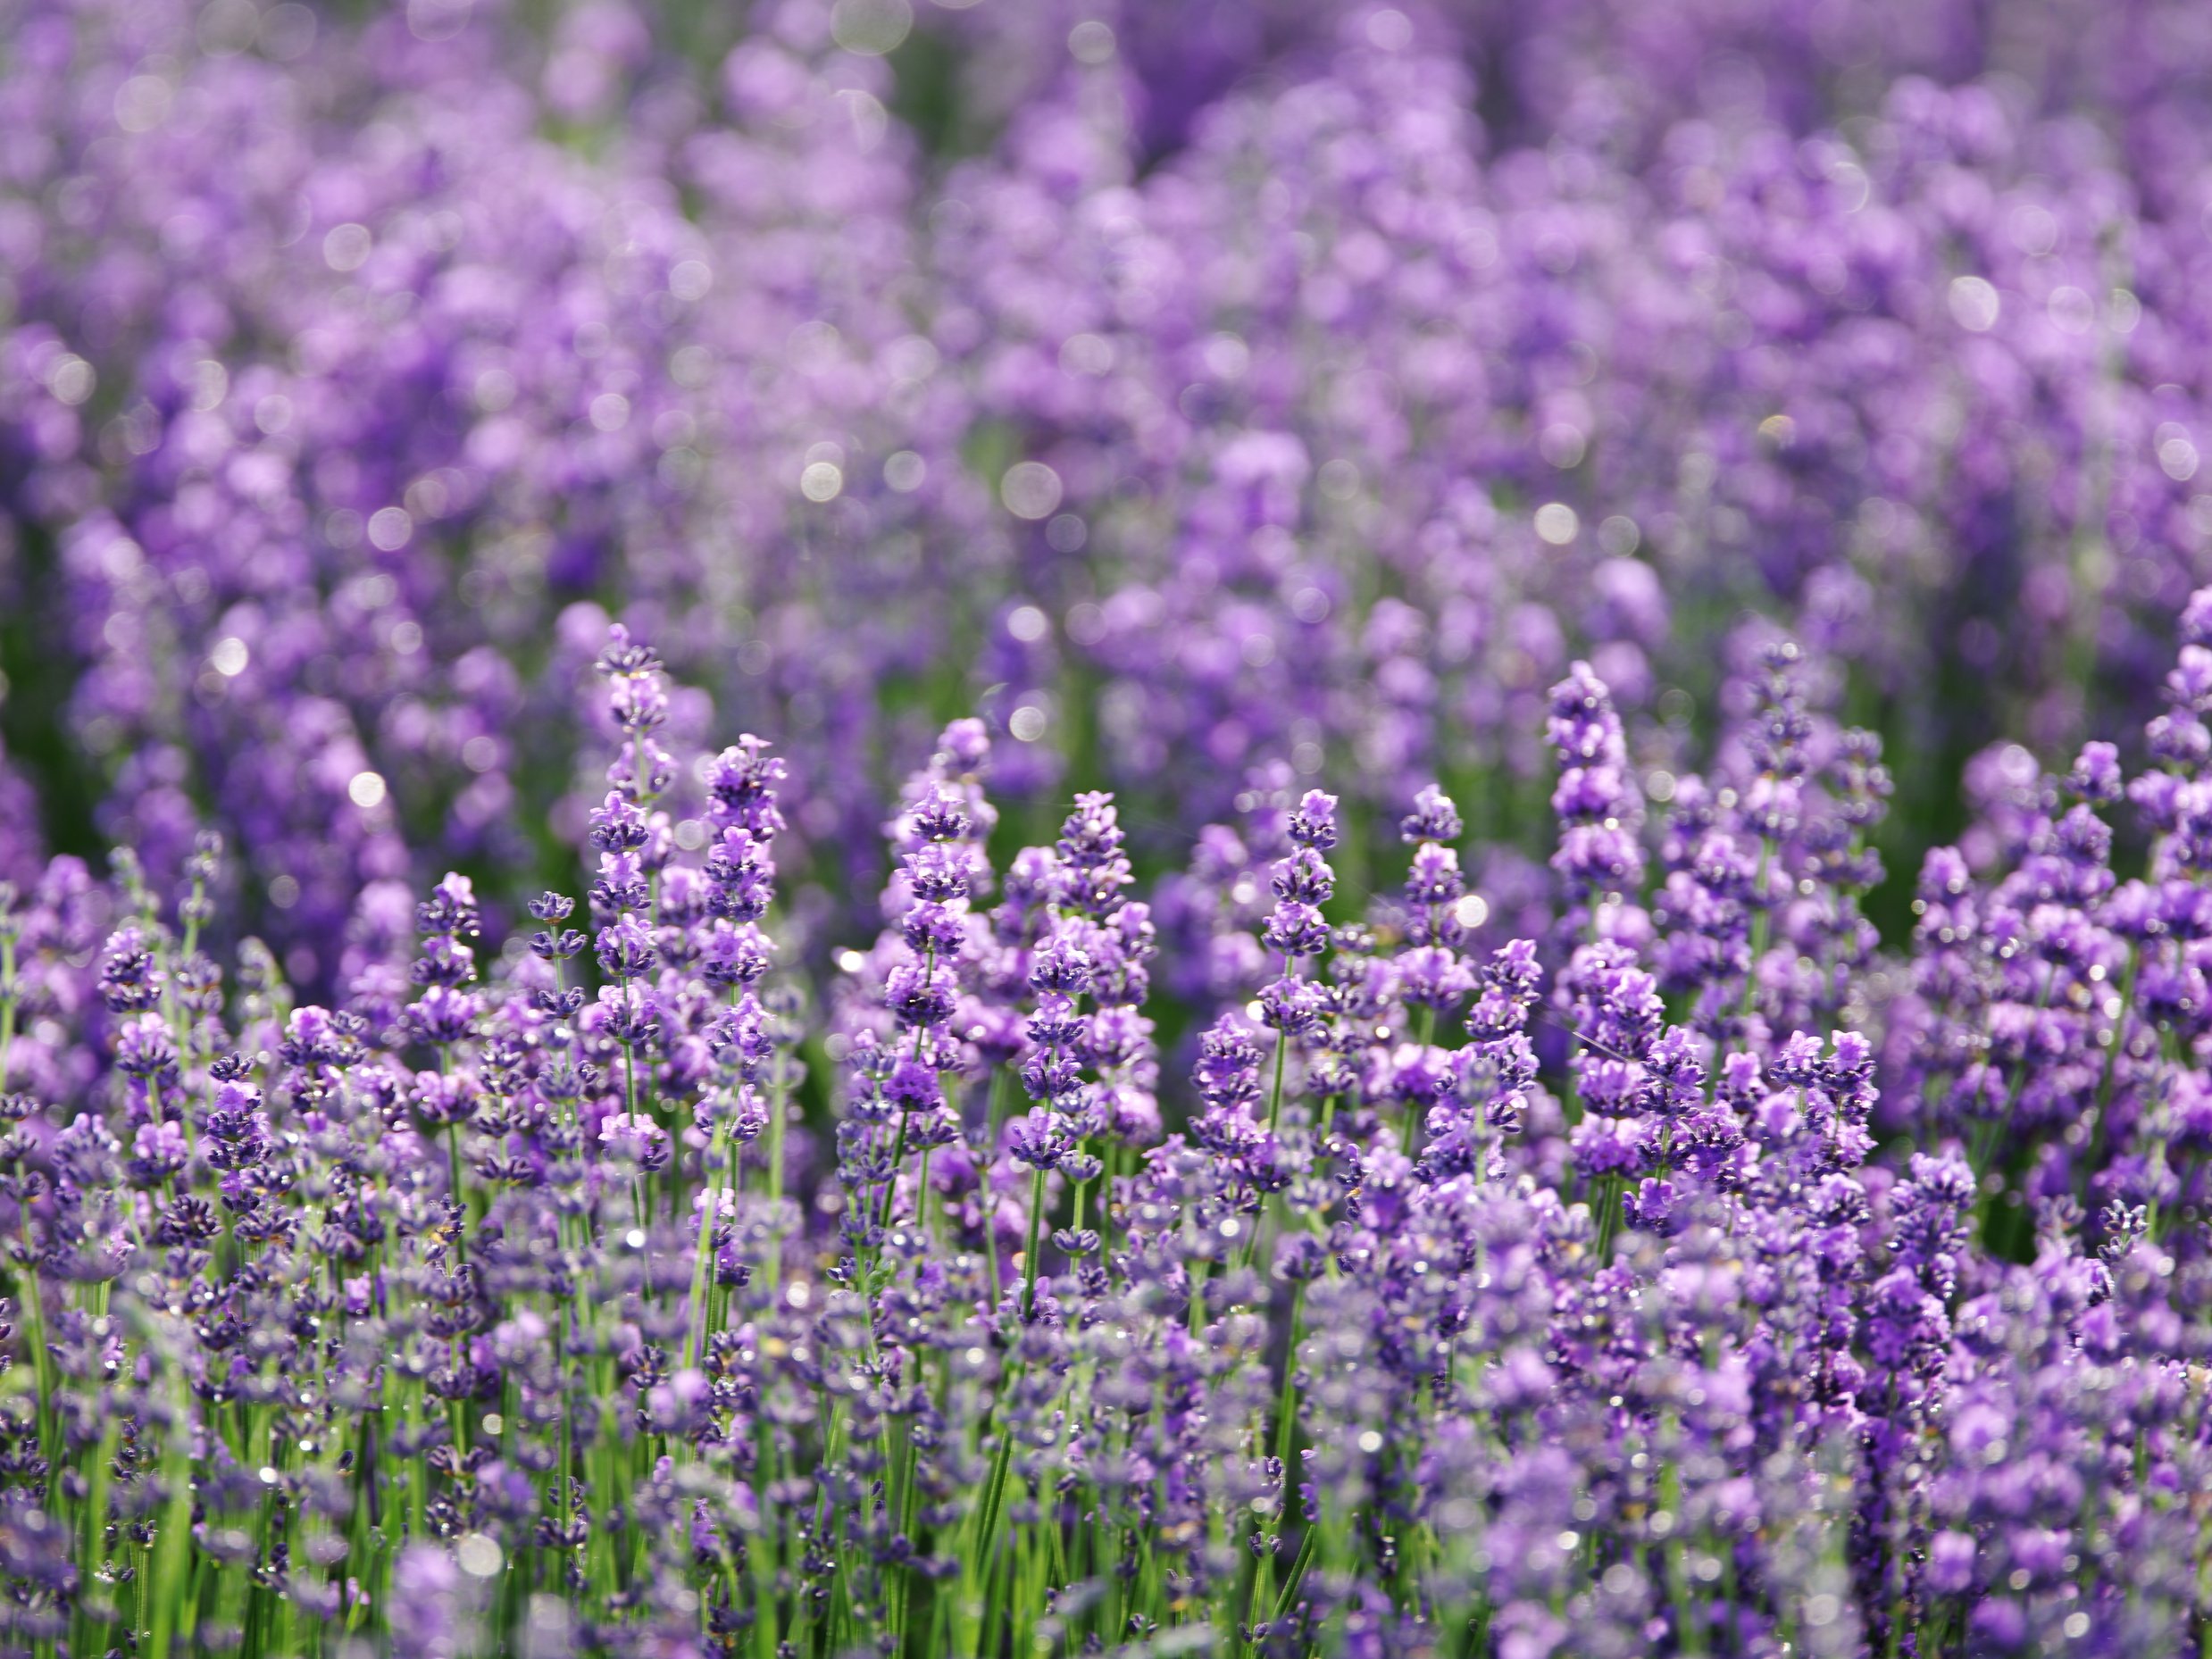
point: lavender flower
(1193, 1228)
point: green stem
(35, 1317)
(172, 1540)
(1029, 1256)
(1286, 1438)
(905, 1118)
(1299, 1564)
(1609, 1213)
(987, 1533)
(1274, 1095)
(460, 1193)
(921, 1200)
(777, 1107)
(695, 1325)
(7, 1000)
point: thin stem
(7, 999)
(460, 1194)
(172, 1538)
(1029, 1256)
(1274, 1095)
(695, 1323)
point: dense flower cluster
(1619, 1061)
(1694, 1278)
(1181, 386)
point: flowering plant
(1542, 987)
(1603, 1290)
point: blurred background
(1219, 397)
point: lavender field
(1023, 828)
